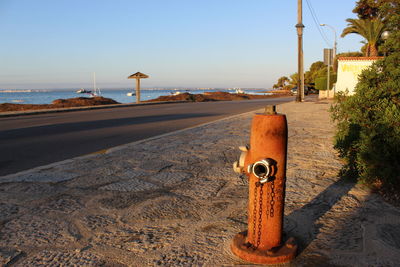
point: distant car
(312, 91)
(293, 91)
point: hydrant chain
(254, 217)
(260, 216)
(272, 202)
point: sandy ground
(175, 201)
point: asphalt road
(35, 140)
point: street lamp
(334, 45)
(385, 36)
(329, 57)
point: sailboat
(95, 92)
(83, 91)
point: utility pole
(328, 73)
(328, 52)
(300, 72)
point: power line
(317, 23)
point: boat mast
(94, 82)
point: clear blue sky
(179, 43)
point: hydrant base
(281, 254)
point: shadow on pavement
(307, 216)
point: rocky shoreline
(97, 101)
(213, 96)
(59, 103)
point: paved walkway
(175, 201)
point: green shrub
(320, 82)
(368, 123)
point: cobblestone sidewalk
(175, 201)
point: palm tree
(370, 29)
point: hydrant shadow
(306, 217)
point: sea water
(119, 95)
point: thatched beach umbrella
(138, 76)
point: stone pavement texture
(175, 201)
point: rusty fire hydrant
(264, 162)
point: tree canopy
(372, 9)
(282, 82)
(370, 29)
(367, 9)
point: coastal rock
(83, 101)
(59, 103)
(209, 96)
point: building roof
(138, 75)
(359, 58)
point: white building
(349, 68)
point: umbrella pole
(137, 90)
